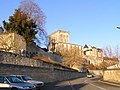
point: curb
(110, 83)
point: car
(90, 74)
(13, 83)
(28, 79)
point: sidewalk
(106, 82)
(110, 83)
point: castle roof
(59, 31)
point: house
(12, 42)
(93, 54)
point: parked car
(90, 74)
(13, 83)
(28, 79)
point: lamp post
(118, 27)
(118, 51)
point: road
(81, 84)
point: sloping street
(81, 84)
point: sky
(91, 22)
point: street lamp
(118, 51)
(118, 27)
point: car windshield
(89, 73)
(26, 78)
(13, 79)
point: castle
(59, 41)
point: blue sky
(91, 22)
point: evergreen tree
(21, 24)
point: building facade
(12, 42)
(60, 36)
(93, 54)
(59, 42)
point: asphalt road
(81, 84)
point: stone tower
(58, 37)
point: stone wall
(40, 70)
(97, 72)
(33, 48)
(112, 75)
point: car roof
(18, 75)
(6, 76)
(1, 75)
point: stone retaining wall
(97, 72)
(112, 76)
(40, 70)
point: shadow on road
(63, 86)
(78, 86)
(97, 78)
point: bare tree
(71, 57)
(111, 52)
(116, 52)
(33, 10)
(108, 51)
(111, 55)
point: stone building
(93, 54)
(59, 41)
(60, 36)
(61, 47)
(12, 42)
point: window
(26, 78)
(84, 52)
(13, 79)
(1, 79)
(18, 77)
